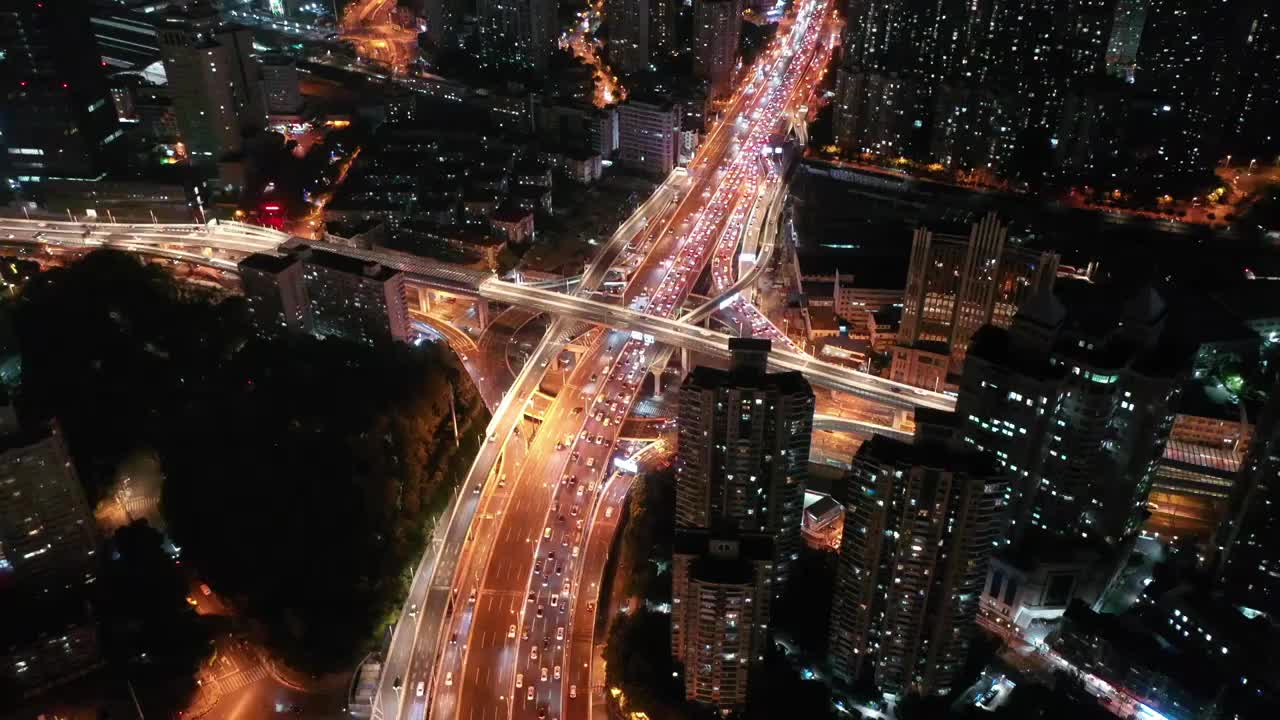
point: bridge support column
(482, 313)
(684, 360)
(423, 298)
(657, 380)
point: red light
(271, 208)
(23, 83)
(64, 86)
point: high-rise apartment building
(1248, 543)
(47, 537)
(975, 86)
(955, 285)
(57, 118)
(743, 453)
(280, 84)
(519, 32)
(1076, 402)
(216, 82)
(353, 299)
(1253, 127)
(1184, 70)
(1126, 37)
(720, 612)
(126, 36)
(921, 522)
(662, 27)
(717, 26)
(649, 135)
(443, 19)
(274, 292)
(628, 34)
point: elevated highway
(699, 339)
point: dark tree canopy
(300, 473)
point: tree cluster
(301, 474)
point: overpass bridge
(711, 342)
(220, 244)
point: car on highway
(544, 674)
(533, 654)
(448, 682)
(573, 691)
(519, 680)
(511, 631)
(529, 695)
(560, 633)
(557, 672)
(540, 608)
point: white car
(529, 695)
(422, 686)
(557, 672)
(448, 679)
(519, 680)
(511, 631)
(544, 674)
(560, 633)
(573, 691)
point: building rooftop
(1221, 461)
(823, 508)
(784, 382)
(273, 264)
(887, 450)
(511, 213)
(344, 264)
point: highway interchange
(518, 637)
(500, 617)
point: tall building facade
(353, 299)
(216, 82)
(662, 27)
(47, 537)
(275, 294)
(717, 27)
(741, 466)
(743, 450)
(977, 86)
(628, 34)
(649, 135)
(1253, 128)
(1248, 543)
(921, 522)
(955, 285)
(519, 32)
(720, 612)
(1126, 38)
(1075, 407)
(57, 117)
(280, 85)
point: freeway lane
(671, 265)
(418, 643)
